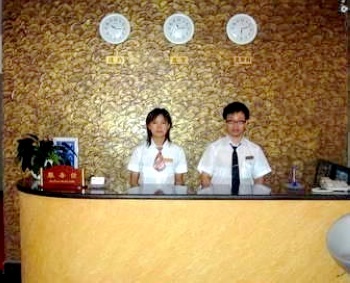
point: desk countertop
(178, 192)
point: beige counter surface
(178, 240)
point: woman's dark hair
(235, 107)
(153, 115)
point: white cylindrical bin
(338, 241)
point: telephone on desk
(327, 185)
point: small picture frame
(72, 143)
(341, 173)
(324, 169)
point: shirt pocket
(247, 168)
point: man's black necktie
(235, 172)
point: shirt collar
(229, 141)
(165, 144)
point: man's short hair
(235, 107)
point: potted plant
(33, 154)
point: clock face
(178, 28)
(241, 29)
(114, 28)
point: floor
(2, 249)
(13, 271)
(11, 274)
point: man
(233, 160)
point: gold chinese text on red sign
(62, 177)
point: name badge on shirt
(250, 157)
(168, 160)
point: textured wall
(57, 83)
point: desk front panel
(179, 240)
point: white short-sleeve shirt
(142, 160)
(217, 160)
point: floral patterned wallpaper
(57, 82)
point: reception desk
(103, 236)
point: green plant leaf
(32, 153)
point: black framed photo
(341, 173)
(324, 169)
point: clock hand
(174, 28)
(117, 30)
(115, 27)
(243, 28)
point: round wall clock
(241, 29)
(178, 28)
(114, 28)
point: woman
(157, 160)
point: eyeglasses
(239, 123)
